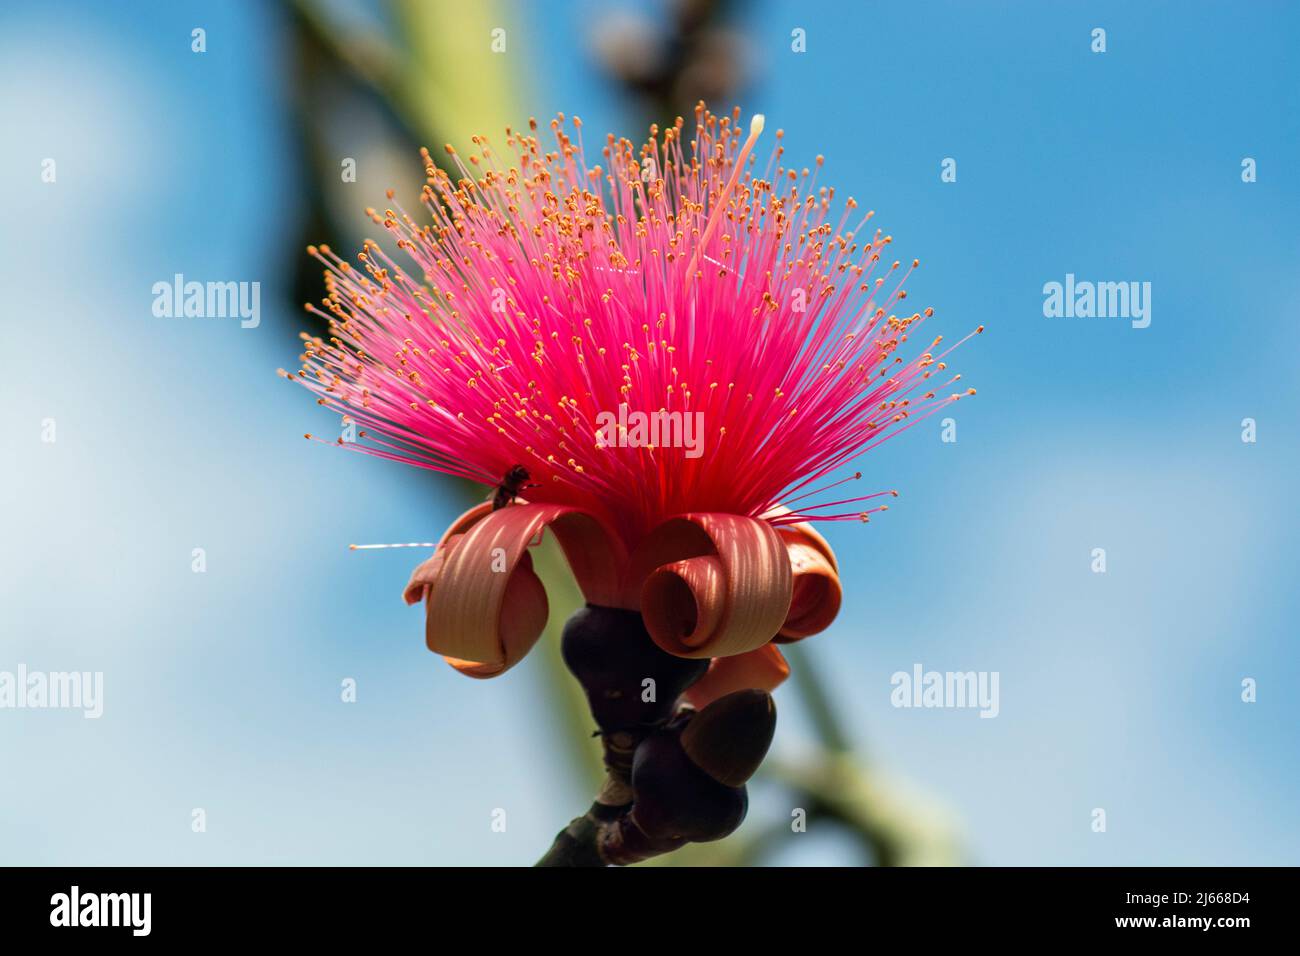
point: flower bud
(630, 682)
(729, 738)
(673, 799)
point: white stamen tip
(756, 124)
(373, 547)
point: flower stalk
(673, 775)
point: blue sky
(1119, 691)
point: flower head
(677, 341)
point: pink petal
(761, 669)
(714, 584)
(485, 605)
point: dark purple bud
(673, 799)
(729, 738)
(630, 682)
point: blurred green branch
(368, 59)
(432, 85)
(892, 826)
(816, 699)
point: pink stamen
(545, 293)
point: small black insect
(513, 482)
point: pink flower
(747, 330)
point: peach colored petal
(427, 572)
(485, 607)
(468, 519)
(712, 585)
(817, 593)
(523, 617)
(761, 669)
(805, 533)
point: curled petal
(816, 590)
(761, 669)
(427, 572)
(485, 605)
(713, 585)
(470, 518)
(805, 533)
(522, 619)
(422, 578)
